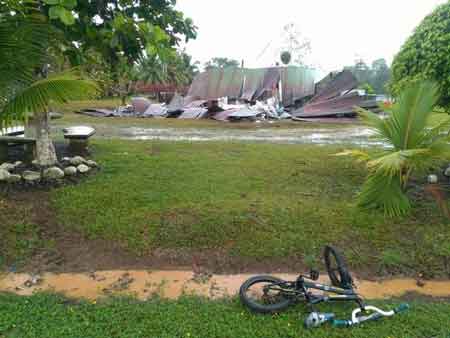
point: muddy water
(173, 284)
(353, 134)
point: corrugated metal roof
(297, 82)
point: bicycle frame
(301, 288)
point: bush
(426, 55)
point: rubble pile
(238, 94)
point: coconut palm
(26, 89)
(412, 146)
(152, 70)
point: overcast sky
(339, 31)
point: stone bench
(78, 137)
(13, 131)
(6, 141)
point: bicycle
(277, 294)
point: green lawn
(47, 316)
(254, 201)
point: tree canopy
(177, 69)
(375, 76)
(27, 85)
(125, 27)
(426, 55)
(221, 62)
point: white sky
(340, 31)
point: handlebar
(377, 314)
(342, 323)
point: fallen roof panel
(193, 113)
(342, 82)
(343, 105)
(297, 83)
(339, 106)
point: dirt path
(172, 284)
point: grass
(253, 201)
(50, 316)
(439, 116)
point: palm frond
(384, 193)
(394, 163)
(376, 124)
(23, 46)
(37, 97)
(359, 155)
(415, 148)
(410, 114)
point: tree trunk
(39, 128)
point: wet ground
(353, 134)
(172, 284)
(348, 135)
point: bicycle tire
(339, 276)
(284, 302)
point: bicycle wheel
(266, 294)
(337, 269)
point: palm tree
(26, 89)
(412, 146)
(152, 70)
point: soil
(82, 268)
(71, 251)
(74, 252)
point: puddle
(351, 135)
(173, 284)
(356, 135)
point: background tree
(121, 31)
(381, 75)
(367, 88)
(375, 77)
(286, 58)
(426, 55)
(181, 69)
(294, 42)
(362, 71)
(221, 62)
(176, 68)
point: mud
(173, 284)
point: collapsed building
(336, 97)
(235, 94)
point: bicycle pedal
(314, 275)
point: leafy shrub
(426, 55)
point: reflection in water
(348, 135)
(172, 284)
